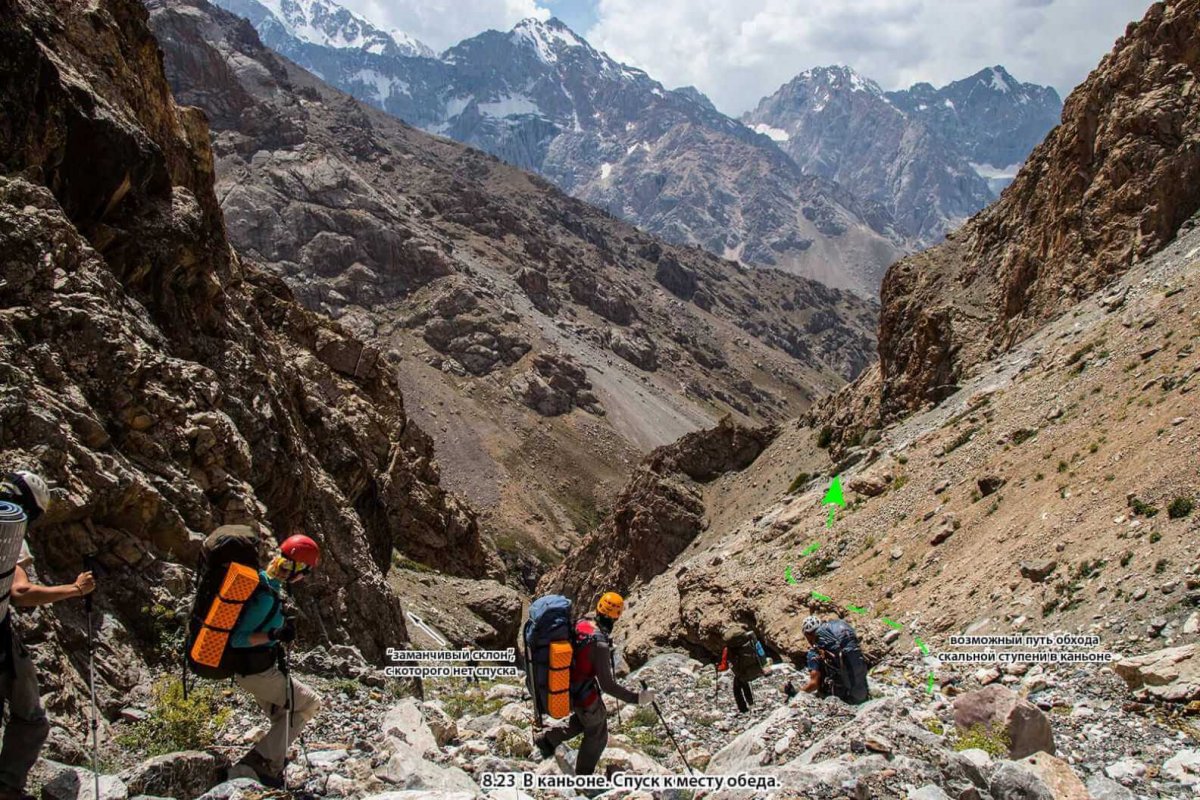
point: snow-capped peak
(841, 77)
(325, 23)
(1001, 81)
(547, 39)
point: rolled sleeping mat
(12, 533)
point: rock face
(541, 98)
(925, 154)
(166, 385)
(1107, 188)
(1172, 674)
(999, 708)
(658, 513)
(553, 385)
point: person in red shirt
(592, 678)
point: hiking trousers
(592, 722)
(28, 726)
(742, 694)
(270, 689)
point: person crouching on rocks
(27, 727)
(835, 662)
(261, 634)
(592, 678)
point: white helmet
(811, 624)
(36, 488)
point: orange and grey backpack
(226, 578)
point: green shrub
(175, 723)
(799, 482)
(935, 726)
(1180, 507)
(1142, 509)
(1155, 537)
(825, 437)
(994, 742)
(1126, 557)
(959, 440)
(1160, 566)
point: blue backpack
(549, 621)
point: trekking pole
(670, 735)
(89, 565)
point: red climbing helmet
(301, 549)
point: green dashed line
(921, 645)
(930, 684)
(895, 625)
(821, 597)
(856, 609)
(812, 548)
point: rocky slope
(541, 98)
(1070, 739)
(545, 345)
(1107, 188)
(166, 385)
(932, 157)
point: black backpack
(228, 544)
(745, 657)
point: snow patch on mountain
(998, 81)
(327, 24)
(383, 86)
(509, 106)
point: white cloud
(738, 51)
(442, 23)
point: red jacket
(724, 665)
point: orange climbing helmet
(611, 605)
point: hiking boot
(262, 770)
(544, 747)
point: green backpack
(745, 655)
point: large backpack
(226, 546)
(549, 653)
(745, 655)
(845, 665)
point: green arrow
(833, 499)
(834, 494)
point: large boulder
(77, 783)
(999, 708)
(1041, 776)
(184, 775)
(553, 385)
(405, 722)
(1172, 674)
(1184, 767)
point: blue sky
(580, 15)
(738, 51)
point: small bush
(1126, 557)
(1063, 466)
(994, 742)
(1023, 435)
(1155, 537)
(1142, 509)
(935, 726)
(1160, 566)
(176, 724)
(1180, 507)
(825, 437)
(799, 482)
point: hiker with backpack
(835, 662)
(743, 654)
(24, 497)
(569, 669)
(239, 630)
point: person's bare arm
(26, 594)
(814, 681)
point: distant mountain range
(836, 189)
(932, 157)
